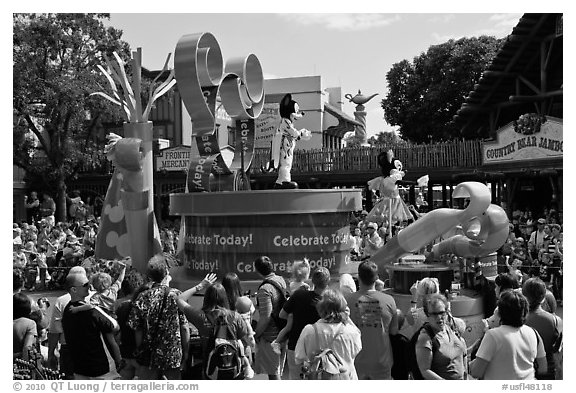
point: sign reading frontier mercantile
(511, 145)
(173, 159)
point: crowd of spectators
(534, 248)
(45, 250)
(114, 322)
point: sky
(353, 51)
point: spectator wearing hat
(537, 237)
(372, 241)
(72, 251)
(519, 252)
(16, 234)
(363, 223)
(89, 334)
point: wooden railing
(456, 154)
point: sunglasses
(439, 313)
(85, 285)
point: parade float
(483, 228)
(226, 226)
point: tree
(386, 138)
(351, 140)
(424, 95)
(54, 69)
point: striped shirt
(267, 298)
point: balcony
(416, 158)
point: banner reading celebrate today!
(231, 248)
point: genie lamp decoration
(360, 114)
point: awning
(341, 116)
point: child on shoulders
(106, 291)
(300, 274)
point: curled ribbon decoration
(201, 78)
(485, 226)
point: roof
(519, 76)
(341, 116)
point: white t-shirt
(510, 352)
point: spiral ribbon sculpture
(201, 77)
(485, 226)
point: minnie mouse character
(390, 208)
(284, 140)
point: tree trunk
(61, 212)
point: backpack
(411, 354)
(326, 364)
(224, 359)
(275, 315)
(400, 345)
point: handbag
(326, 364)
(143, 354)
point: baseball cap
(364, 213)
(541, 221)
(373, 225)
(520, 239)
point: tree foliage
(386, 138)
(351, 140)
(426, 93)
(54, 71)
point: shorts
(267, 361)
